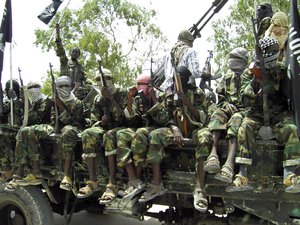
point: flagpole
(11, 87)
(58, 22)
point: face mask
(34, 94)
(144, 88)
(64, 92)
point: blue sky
(173, 16)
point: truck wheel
(25, 206)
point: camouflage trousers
(132, 145)
(110, 141)
(69, 135)
(91, 141)
(28, 142)
(285, 132)
(8, 141)
(222, 120)
(204, 141)
(159, 139)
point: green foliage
(118, 31)
(236, 30)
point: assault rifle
(56, 127)
(207, 77)
(218, 4)
(105, 108)
(179, 114)
(265, 132)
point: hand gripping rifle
(265, 132)
(56, 127)
(105, 108)
(218, 4)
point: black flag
(5, 36)
(49, 12)
(294, 58)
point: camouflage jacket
(251, 95)
(40, 111)
(116, 114)
(68, 67)
(18, 108)
(228, 90)
(73, 114)
(158, 114)
(198, 99)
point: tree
(121, 33)
(236, 30)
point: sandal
(200, 200)
(66, 184)
(152, 192)
(290, 179)
(109, 195)
(90, 188)
(134, 188)
(212, 164)
(293, 183)
(30, 179)
(225, 174)
(240, 183)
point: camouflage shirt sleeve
(40, 112)
(73, 114)
(61, 53)
(247, 93)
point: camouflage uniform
(68, 67)
(132, 142)
(92, 137)
(162, 137)
(280, 117)
(72, 121)
(8, 132)
(221, 119)
(27, 140)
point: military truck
(267, 203)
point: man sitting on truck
(108, 118)
(27, 140)
(281, 125)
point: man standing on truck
(70, 67)
(183, 54)
(227, 116)
(108, 118)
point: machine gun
(218, 4)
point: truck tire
(25, 206)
